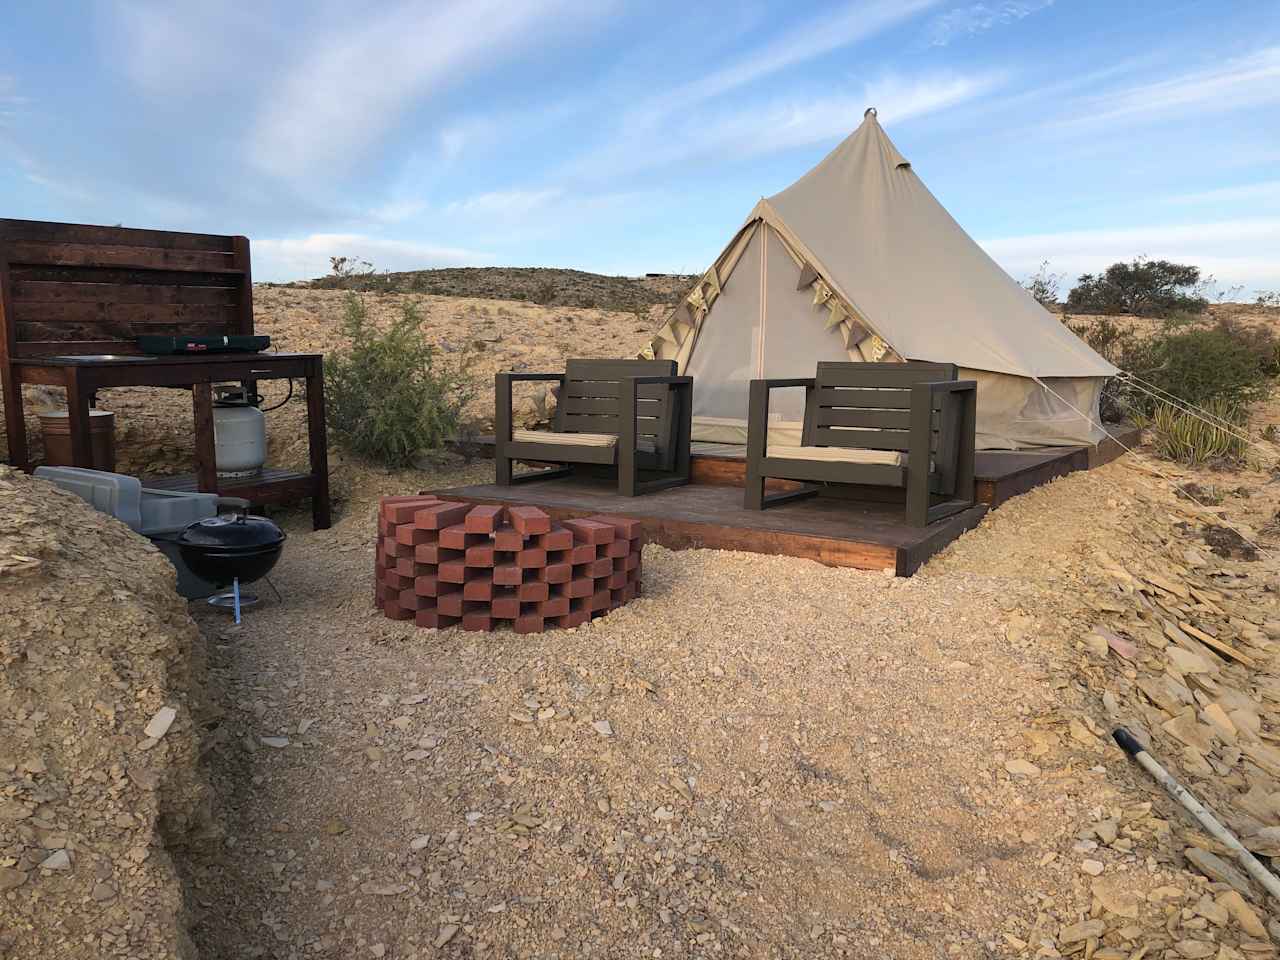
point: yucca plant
(391, 395)
(1191, 439)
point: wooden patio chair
(635, 415)
(908, 426)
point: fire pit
(442, 564)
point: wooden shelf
(270, 486)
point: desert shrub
(544, 292)
(1193, 440)
(1108, 337)
(1204, 364)
(1116, 342)
(1043, 285)
(391, 394)
(1144, 288)
(1198, 365)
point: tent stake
(1130, 745)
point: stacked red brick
(440, 564)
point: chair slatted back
(77, 289)
(589, 400)
(867, 406)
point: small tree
(1043, 285)
(390, 396)
(344, 267)
(1144, 288)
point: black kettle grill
(232, 550)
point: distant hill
(543, 285)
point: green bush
(1193, 440)
(1204, 364)
(390, 393)
(1198, 365)
(1143, 288)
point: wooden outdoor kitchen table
(82, 375)
(74, 300)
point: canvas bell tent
(856, 260)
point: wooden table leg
(15, 424)
(206, 464)
(78, 420)
(317, 445)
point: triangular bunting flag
(837, 312)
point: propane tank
(239, 433)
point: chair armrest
(758, 410)
(674, 381)
(513, 377)
(952, 386)
(955, 451)
(777, 382)
(502, 384)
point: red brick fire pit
(440, 564)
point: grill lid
(224, 534)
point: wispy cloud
(397, 211)
(979, 18)
(291, 258)
(1265, 191)
(1243, 251)
(1234, 84)
(172, 50)
(756, 128)
(695, 117)
(10, 101)
(802, 42)
(352, 87)
(504, 204)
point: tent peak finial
(869, 112)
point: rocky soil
(545, 285)
(100, 704)
(761, 757)
(795, 761)
(1160, 615)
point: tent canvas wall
(858, 261)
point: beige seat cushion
(643, 444)
(568, 439)
(886, 458)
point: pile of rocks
(1181, 649)
(99, 671)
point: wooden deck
(839, 533)
(1000, 474)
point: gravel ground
(804, 761)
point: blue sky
(626, 138)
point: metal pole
(1130, 745)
